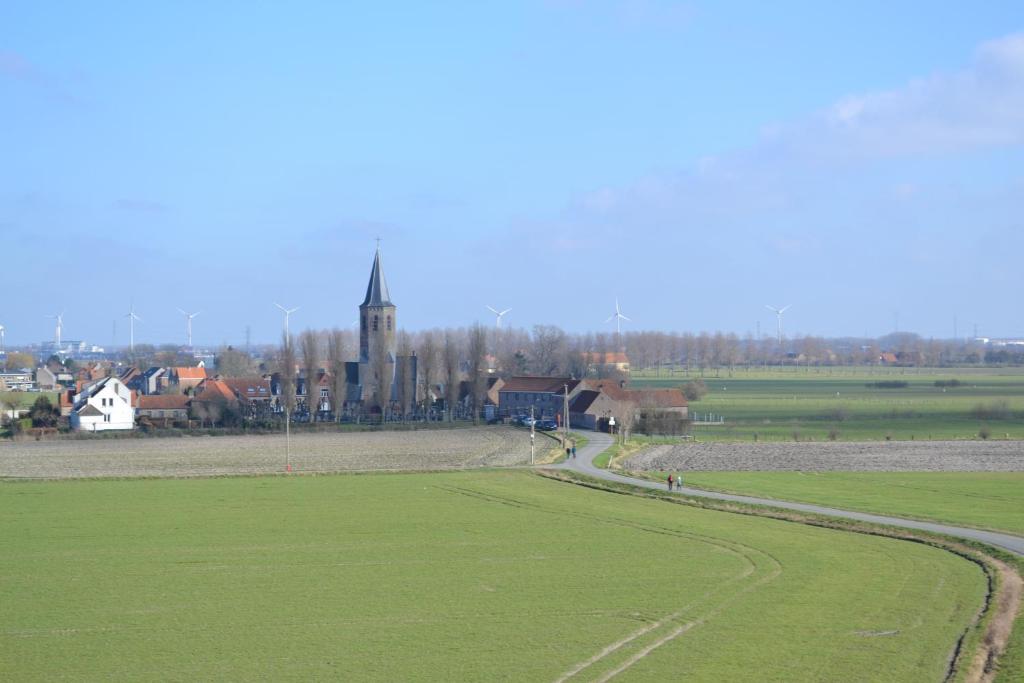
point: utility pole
(533, 435)
(287, 440)
(565, 415)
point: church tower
(377, 322)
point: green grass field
(809, 403)
(25, 399)
(455, 576)
(989, 500)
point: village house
(603, 364)
(546, 395)
(103, 405)
(165, 409)
(17, 381)
(666, 400)
(186, 378)
(593, 409)
(249, 388)
(46, 379)
(153, 381)
(212, 398)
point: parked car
(547, 425)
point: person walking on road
(670, 483)
(574, 450)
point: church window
(375, 318)
(389, 323)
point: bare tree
(231, 362)
(428, 368)
(309, 342)
(477, 353)
(450, 354)
(286, 371)
(548, 350)
(381, 371)
(625, 415)
(336, 351)
(404, 380)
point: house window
(375, 320)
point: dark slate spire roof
(377, 290)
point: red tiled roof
(663, 398)
(190, 373)
(609, 387)
(163, 402)
(248, 387)
(214, 390)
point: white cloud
(981, 105)
(978, 107)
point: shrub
(984, 432)
(43, 413)
(888, 384)
(833, 434)
(997, 410)
(694, 390)
(951, 383)
(839, 414)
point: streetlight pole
(287, 440)
(565, 415)
(533, 436)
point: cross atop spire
(377, 290)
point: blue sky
(697, 160)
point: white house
(104, 404)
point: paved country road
(598, 442)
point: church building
(380, 378)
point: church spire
(377, 290)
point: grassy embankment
(984, 500)
(456, 576)
(814, 403)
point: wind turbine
(778, 312)
(188, 324)
(287, 315)
(618, 318)
(3, 350)
(60, 326)
(131, 328)
(498, 314)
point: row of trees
(454, 359)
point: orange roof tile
(163, 402)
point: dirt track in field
(884, 456)
(218, 455)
